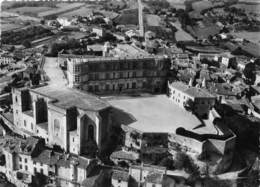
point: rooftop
(155, 177)
(18, 145)
(120, 175)
(192, 91)
(125, 50)
(156, 114)
(67, 98)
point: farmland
(30, 10)
(128, 17)
(254, 8)
(82, 11)
(62, 9)
(181, 35)
(178, 4)
(251, 36)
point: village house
(181, 94)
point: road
(54, 73)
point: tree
(27, 43)
(42, 21)
(249, 73)
(189, 105)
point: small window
(20, 158)
(21, 166)
(16, 100)
(72, 139)
(107, 87)
(41, 171)
(24, 122)
(35, 170)
(133, 85)
(32, 126)
(26, 168)
(34, 162)
(25, 160)
(41, 164)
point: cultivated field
(254, 8)
(178, 4)
(153, 20)
(181, 35)
(62, 8)
(251, 36)
(83, 11)
(30, 10)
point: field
(30, 10)
(251, 36)
(83, 11)
(178, 4)
(129, 17)
(153, 20)
(9, 26)
(181, 35)
(254, 8)
(62, 8)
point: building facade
(114, 75)
(71, 125)
(202, 100)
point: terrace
(157, 114)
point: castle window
(90, 88)
(90, 132)
(32, 126)
(16, 100)
(77, 68)
(25, 160)
(24, 122)
(77, 78)
(26, 168)
(107, 76)
(56, 127)
(21, 166)
(107, 87)
(96, 88)
(133, 85)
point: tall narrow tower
(140, 17)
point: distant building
(228, 60)
(99, 31)
(120, 178)
(6, 59)
(257, 78)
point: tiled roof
(123, 155)
(120, 175)
(19, 145)
(67, 98)
(155, 177)
(50, 157)
(192, 91)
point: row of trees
(30, 34)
